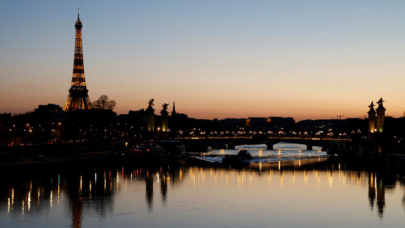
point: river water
(288, 153)
(181, 196)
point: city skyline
(215, 60)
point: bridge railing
(269, 137)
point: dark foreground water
(201, 197)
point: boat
(149, 154)
(163, 152)
(174, 150)
(243, 156)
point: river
(189, 196)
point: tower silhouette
(371, 119)
(174, 109)
(380, 116)
(78, 94)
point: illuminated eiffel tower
(78, 98)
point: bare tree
(104, 103)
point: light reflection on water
(204, 197)
(264, 152)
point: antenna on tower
(78, 12)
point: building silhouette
(264, 123)
(5, 116)
(150, 117)
(380, 116)
(52, 110)
(376, 134)
(165, 118)
(78, 98)
(371, 118)
(376, 123)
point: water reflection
(163, 187)
(378, 184)
(149, 190)
(96, 190)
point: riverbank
(33, 162)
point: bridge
(221, 142)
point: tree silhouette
(103, 103)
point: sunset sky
(215, 58)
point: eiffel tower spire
(78, 94)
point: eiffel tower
(78, 98)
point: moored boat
(241, 157)
(149, 154)
(174, 150)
